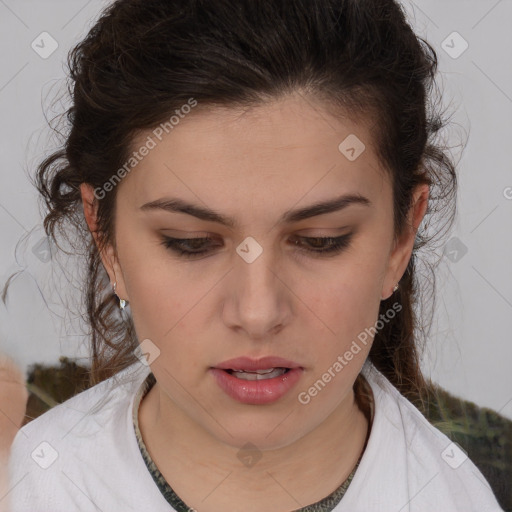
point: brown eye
(324, 245)
(188, 247)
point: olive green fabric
(482, 433)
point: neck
(194, 462)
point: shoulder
(75, 445)
(86, 413)
(416, 462)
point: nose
(257, 300)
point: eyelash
(335, 245)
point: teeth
(259, 374)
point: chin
(269, 433)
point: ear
(401, 253)
(107, 253)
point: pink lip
(257, 392)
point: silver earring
(122, 302)
(394, 290)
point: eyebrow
(176, 205)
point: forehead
(275, 153)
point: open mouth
(269, 373)
(244, 382)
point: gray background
(469, 348)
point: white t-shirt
(82, 455)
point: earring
(122, 302)
(394, 290)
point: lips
(252, 365)
(266, 384)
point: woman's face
(255, 292)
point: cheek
(151, 287)
(342, 307)
(167, 306)
(163, 308)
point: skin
(254, 166)
(13, 401)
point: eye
(187, 247)
(316, 246)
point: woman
(250, 178)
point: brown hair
(143, 59)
